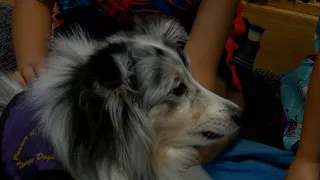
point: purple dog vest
(24, 151)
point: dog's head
(128, 106)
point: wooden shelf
(7, 1)
(288, 38)
(293, 5)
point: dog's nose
(238, 117)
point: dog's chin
(210, 137)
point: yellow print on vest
(26, 163)
(32, 132)
(23, 142)
(18, 152)
(42, 156)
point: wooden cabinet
(288, 37)
(312, 8)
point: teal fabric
(294, 86)
(317, 38)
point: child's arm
(31, 26)
(208, 36)
(306, 163)
(207, 39)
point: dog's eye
(179, 89)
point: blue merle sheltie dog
(112, 102)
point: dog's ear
(163, 27)
(105, 70)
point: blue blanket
(249, 160)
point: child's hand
(25, 75)
(302, 169)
